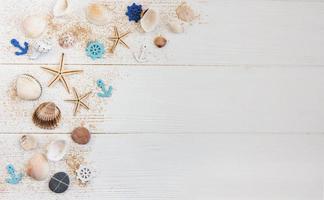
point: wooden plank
(250, 32)
(177, 100)
(222, 166)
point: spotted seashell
(47, 116)
(67, 40)
(28, 87)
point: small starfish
(118, 38)
(59, 74)
(78, 100)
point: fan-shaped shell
(97, 14)
(150, 20)
(38, 167)
(28, 87)
(34, 25)
(47, 116)
(61, 8)
(56, 150)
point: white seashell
(176, 27)
(28, 88)
(38, 167)
(97, 14)
(56, 150)
(61, 8)
(40, 48)
(150, 20)
(34, 25)
(28, 142)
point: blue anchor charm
(105, 92)
(23, 50)
(14, 178)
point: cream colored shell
(61, 8)
(150, 20)
(34, 25)
(28, 142)
(38, 167)
(28, 87)
(56, 150)
(97, 14)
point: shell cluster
(28, 87)
(47, 115)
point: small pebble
(81, 135)
(160, 41)
(59, 183)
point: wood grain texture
(178, 100)
(243, 33)
(184, 167)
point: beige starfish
(60, 73)
(78, 101)
(118, 38)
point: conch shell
(47, 116)
(150, 20)
(61, 8)
(38, 167)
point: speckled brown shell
(47, 116)
(81, 135)
(67, 40)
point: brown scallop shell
(47, 115)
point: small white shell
(28, 88)
(56, 150)
(38, 167)
(39, 48)
(61, 8)
(97, 14)
(34, 25)
(28, 142)
(176, 27)
(150, 20)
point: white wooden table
(231, 109)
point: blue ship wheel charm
(104, 92)
(14, 177)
